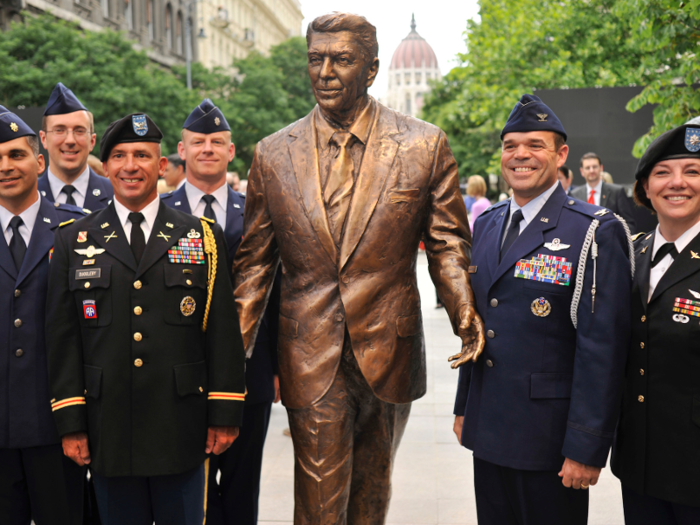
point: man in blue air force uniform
(207, 149)
(36, 481)
(552, 281)
(68, 134)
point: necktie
(512, 232)
(208, 209)
(339, 184)
(665, 249)
(591, 200)
(138, 240)
(17, 246)
(68, 190)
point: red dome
(413, 51)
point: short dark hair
(335, 22)
(591, 155)
(33, 142)
(639, 194)
(565, 170)
(176, 161)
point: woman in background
(476, 188)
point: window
(129, 15)
(418, 78)
(150, 20)
(408, 79)
(398, 79)
(191, 28)
(105, 8)
(179, 32)
(169, 27)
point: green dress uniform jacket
(129, 362)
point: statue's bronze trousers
(345, 445)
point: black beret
(680, 143)
(206, 118)
(62, 101)
(531, 114)
(12, 127)
(136, 127)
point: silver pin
(556, 245)
(47, 220)
(544, 219)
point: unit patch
(541, 307)
(187, 306)
(187, 251)
(545, 269)
(82, 236)
(139, 124)
(692, 139)
(89, 309)
(687, 306)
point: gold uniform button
(19, 352)
(641, 371)
(85, 391)
(138, 363)
(641, 345)
(87, 284)
(138, 336)
(189, 283)
(138, 310)
(138, 285)
(644, 318)
(640, 399)
(18, 293)
(18, 323)
(201, 389)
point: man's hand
(577, 475)
(278, 395)
(219, 439)
(75, 446)
(471, 330)
(457, 428)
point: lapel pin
(694, 255)
(644, 250)
(163, 236)
(236, 205)
(110, 236)
(178, 203)
(169, 225)
(96, 192)
(47, 220)
(556, 245)
(43, 194)
(104, 225)
(544, 219)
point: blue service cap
(62, 101)
(137, 127)
(206, 118)
(682, 142)
(531, 114)
(12, 127)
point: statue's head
(343, 63)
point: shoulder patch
(66, 223)
(85, 210)
(637, 235)
(210, 221)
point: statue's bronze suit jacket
(407, 190)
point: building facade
(413, 66)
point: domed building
(414, 64)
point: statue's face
(340, 74)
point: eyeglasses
(78, 133)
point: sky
(441, 22)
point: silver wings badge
(556, 245)
(90, 251)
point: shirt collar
(150, 212)
(532, 208)
(28, 216)
(360, 128)
(80, 184)
(194, 194)
(598, 187)
(680, 243)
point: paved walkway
(432, 481)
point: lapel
(303, 151)
(117, 246)
(41, 240)
(605, 191)
(95, 202)
(234, 222)
(157, 246)
(684, 265)
(533, 235)
(45, 187)
(492, 237)
(377, 161)
(643, 267)
(7, 263)
(180, 202)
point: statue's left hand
(471, 330)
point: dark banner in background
(32, 117)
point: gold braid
(210, 248)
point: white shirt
(530, 210)
(597, 188)
(80, 184)
(197, 205)
(149, 217)
(28, 217)
(658, 271)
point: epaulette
(85, 210)
(637, 236)
(589, 210)
(66, 223)
(211, 221)
(241, 195)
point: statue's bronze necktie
(339, 184)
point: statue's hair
(335, 22)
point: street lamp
(188, 41)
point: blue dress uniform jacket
(139, 374)
(25, 411)
(657, 448)
(99, 192)
(544, 390)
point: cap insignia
(139, 124)
(692, 139)
(542, 117)
(14, 127)
(217, 121)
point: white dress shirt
(150, 212)
(596, 196)
(530, 210)
(197, 205)
(28, 217)
(658, 271)
(80, 184)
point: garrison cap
(206, 118)
(62, 101)
(682, 142)
(531, 114)
(12, 127)
(137, 127)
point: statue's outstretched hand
(471, 330)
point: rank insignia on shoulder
(194, 234)
(96, 192)
(86, 211)
(89, 309)
(545, 269)
(556, 245)
(541, 307)
(82, 236)
(686, 306)
(188, 306)
(66, 223)
(602, 212)
(694, 293)
(47, 220)
(694, 255)
(648, 237)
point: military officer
(68, 134)
(657, 450)
(207, 149)
(36, 481)
(551, 276)
(145, 362)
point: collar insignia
(694, 255)
(169, 224)
(96, 192)
(47, 220)
(104, 225)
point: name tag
(92, 273)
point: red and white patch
(90, 309)
(82, 236)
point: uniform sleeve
(602, 341)
(64, 345)
(225, 353)
(465, 375)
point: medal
(541, 307)
(187, 306)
